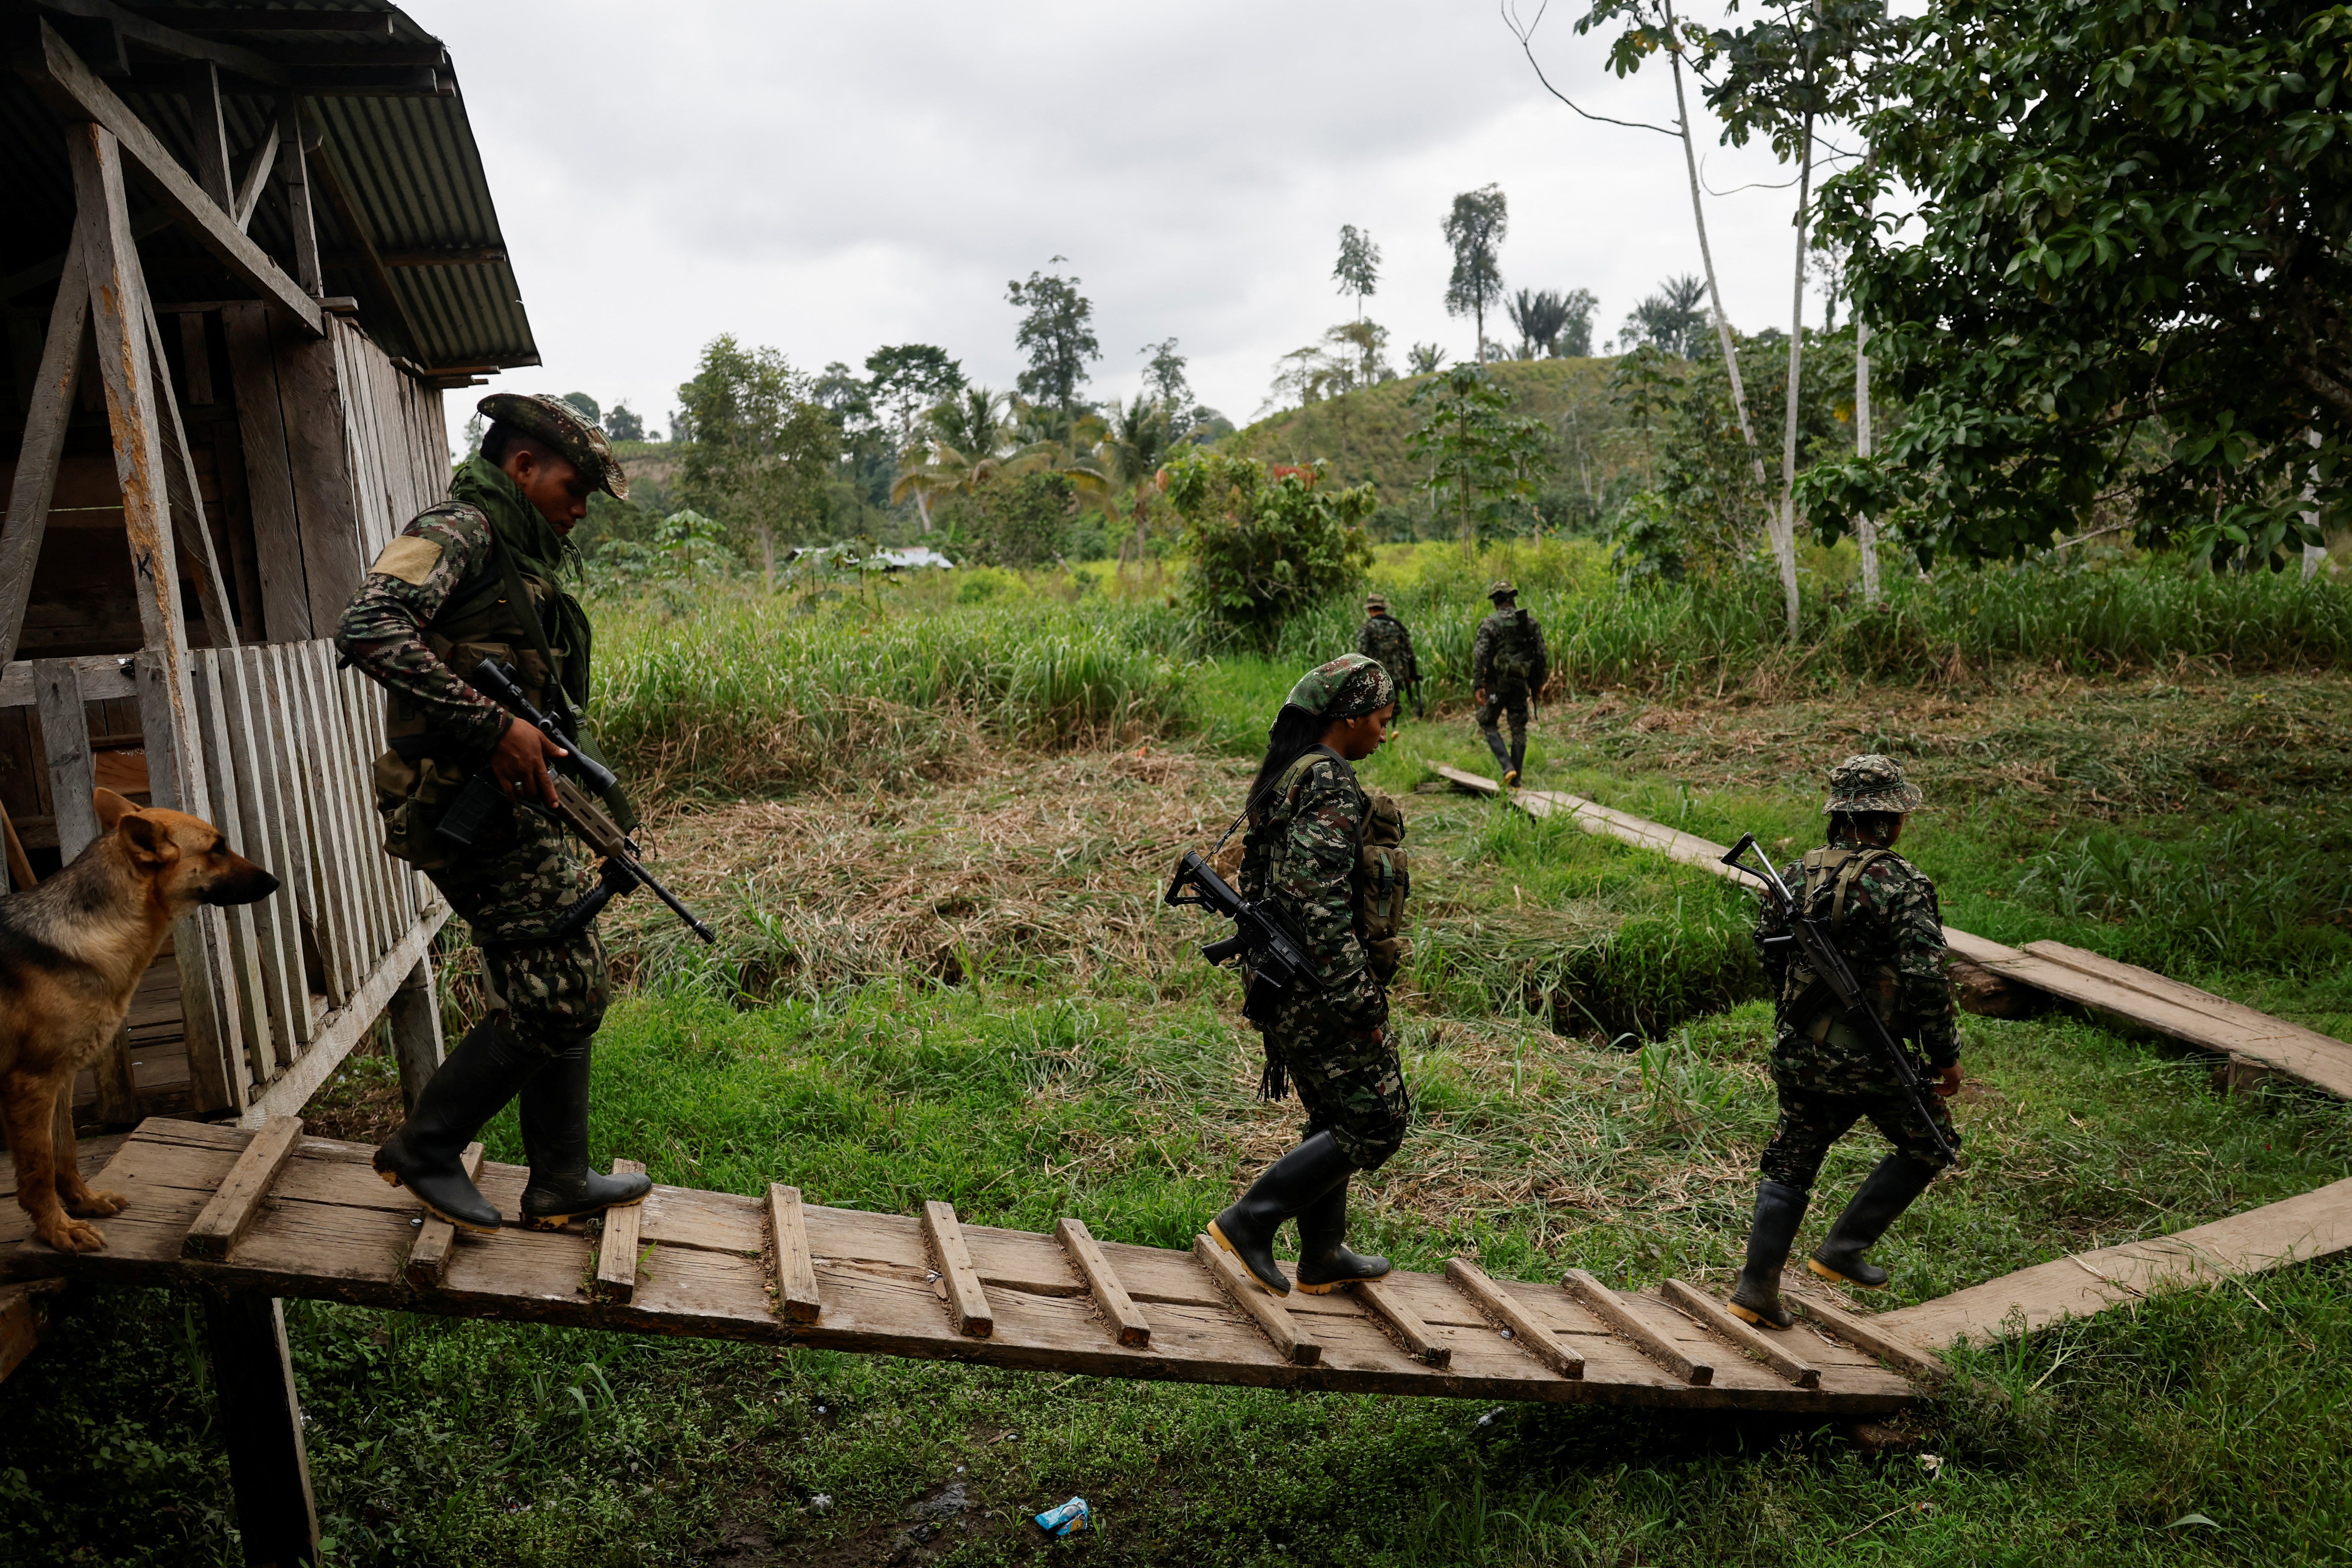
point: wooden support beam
(1612, 1309)
(1119, 1309)
(182, 489)
(795, 1270)
(249, 184)
(261, 1426)
(1261, 1305)
(271, 19)
(428, 1254)
(35, 480)
(1420, 1344)
(65, 736)
(231, 1210)
(1771, 1351)
(268, 475)
(1892, 1348)
(415, 1016)
(294, 168)
(968, 1305)
(617, 1249)
(1533, 1334)
(211, 130)
(76, 92)
(24, 1317)
(142, 27)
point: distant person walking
(1330, 858)
(1881, 914)
(1385, 639)
(1507, 669)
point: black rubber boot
(1325, 1264)
(1502, 757)
(1885, 1194)
(1780, 1210)
(554, 1114)
(1247, 1229)
(469, 1086)
(1518, 757)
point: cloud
(830, 178)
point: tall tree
(1474, 231)
(2101, 247)
(762, 447)
(1163, 376)
(1055, 333)
(585, 406)
(1358, 269)
(622, 423)
(1484, 461)
(901, 382)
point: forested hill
(1364, 434)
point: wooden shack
(243, 252)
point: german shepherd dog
(71, 952)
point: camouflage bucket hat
(559, 426)
(1502, 588)
(1376, 603)
(1347, 688)
(1872, 782)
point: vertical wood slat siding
(268, 842)
(334, 928)
(248, 1057)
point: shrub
(1266, 545)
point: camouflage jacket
(383, 630)
(1892, 934)
(1302, 854)
(1509, 648)
(1384, 638)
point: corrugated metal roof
(407, 165)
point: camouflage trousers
(1810, 1122)
(1348, 1077)
(555, 993)
(1505, 697)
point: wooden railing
(273, 994)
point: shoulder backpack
(1833, 872)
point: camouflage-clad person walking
(1508, 665)
(1331, 859)
(478, 576)
(1882, 913)
(1384, 639)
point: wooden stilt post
(415, 1018)
(261, 1424)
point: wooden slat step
(1763, 1346)
(617, 1249)
(968, 1306)
(1119, 1309)
(233, 1208)
(1614, 1310)
(796, 1275)
(428, 1260)
(1420, 1341)
(1533, 1334)
(1890, 1347)
(1298, 1346)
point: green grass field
(944, 972)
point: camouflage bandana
(1502, 588)
(1347, 688)
(1872, 782)
(559, 426)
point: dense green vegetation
(932, 835)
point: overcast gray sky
(829, 178)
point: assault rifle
(576, 807)
(1811, 940)
(1277, 957)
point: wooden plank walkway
(2121, 991)
(321, 1225)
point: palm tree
(1133, 447)
(1539, 318)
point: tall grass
(1726, 631)
(752, 692)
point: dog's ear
(150, 840)
(111, 808)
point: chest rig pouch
(1830, 875)
(1383, 881)
(415, 785)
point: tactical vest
(1381, 881)
(1806, 1003)
(1514, 656)
(413, 791)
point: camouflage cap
(1376, 603)
(561, 427)
(1503, 588)
(1347, 688)
(1872, 782)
